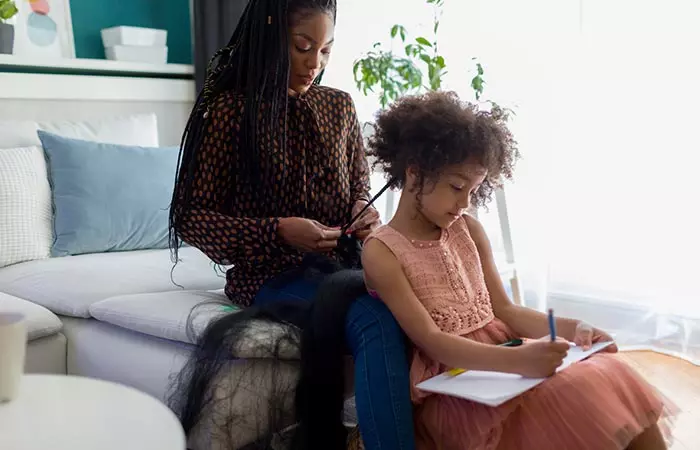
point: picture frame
(44, 29)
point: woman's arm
(527, 322)
(359, 168)
(204, 223)
(384, 274)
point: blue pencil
(552, 326)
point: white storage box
(136, 36)
(134, 53)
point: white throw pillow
(23, 234)
(137, 130)
(25, 206)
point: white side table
(60, 412)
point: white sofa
(116, 316)
(121, 315)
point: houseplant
(394, 75)
(7, 31)
(419, 68)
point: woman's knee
(370, 311)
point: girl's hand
(367, 222)
(585, 336)
(540, 358)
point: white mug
(13, 350)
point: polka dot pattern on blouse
(320, 175)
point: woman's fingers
(363, 234)
(326, 245)
(367, 220)
(327, 238)
(329, 234)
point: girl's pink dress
(597, 404)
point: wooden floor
(680, 381)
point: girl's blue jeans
(377, 343)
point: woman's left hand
(367, 222)
(585, 336)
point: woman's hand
(307, 235)
(585, 336)
(367, 222)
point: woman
(272, 168)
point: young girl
(432, 265)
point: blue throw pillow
(108, 197)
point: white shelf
(94, 65)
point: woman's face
(311, 39)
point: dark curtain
(214, 23)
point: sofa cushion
(108, 197)
(40, 321)
(69, 285)
(25, 206)
(182, 316)
(163, 314)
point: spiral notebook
(496, 388)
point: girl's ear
(411, 177)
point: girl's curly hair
(435, 131)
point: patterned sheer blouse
(319, 176)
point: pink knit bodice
(446, 276)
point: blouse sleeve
(223, 231)
(359, 168)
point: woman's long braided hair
(255, 66)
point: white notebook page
(495, 388)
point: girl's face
(311, 39)
(446, 199)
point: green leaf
(479, 68)
(424, 41)
(478, 86)
(440, 61)
(427, 60)
(394, 31)
(403, 34)
(7, 10)
(435, 28)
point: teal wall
(91, 16)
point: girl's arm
(527, 322)
(384, 274)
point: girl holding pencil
(432, 265)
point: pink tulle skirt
(597, 404)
